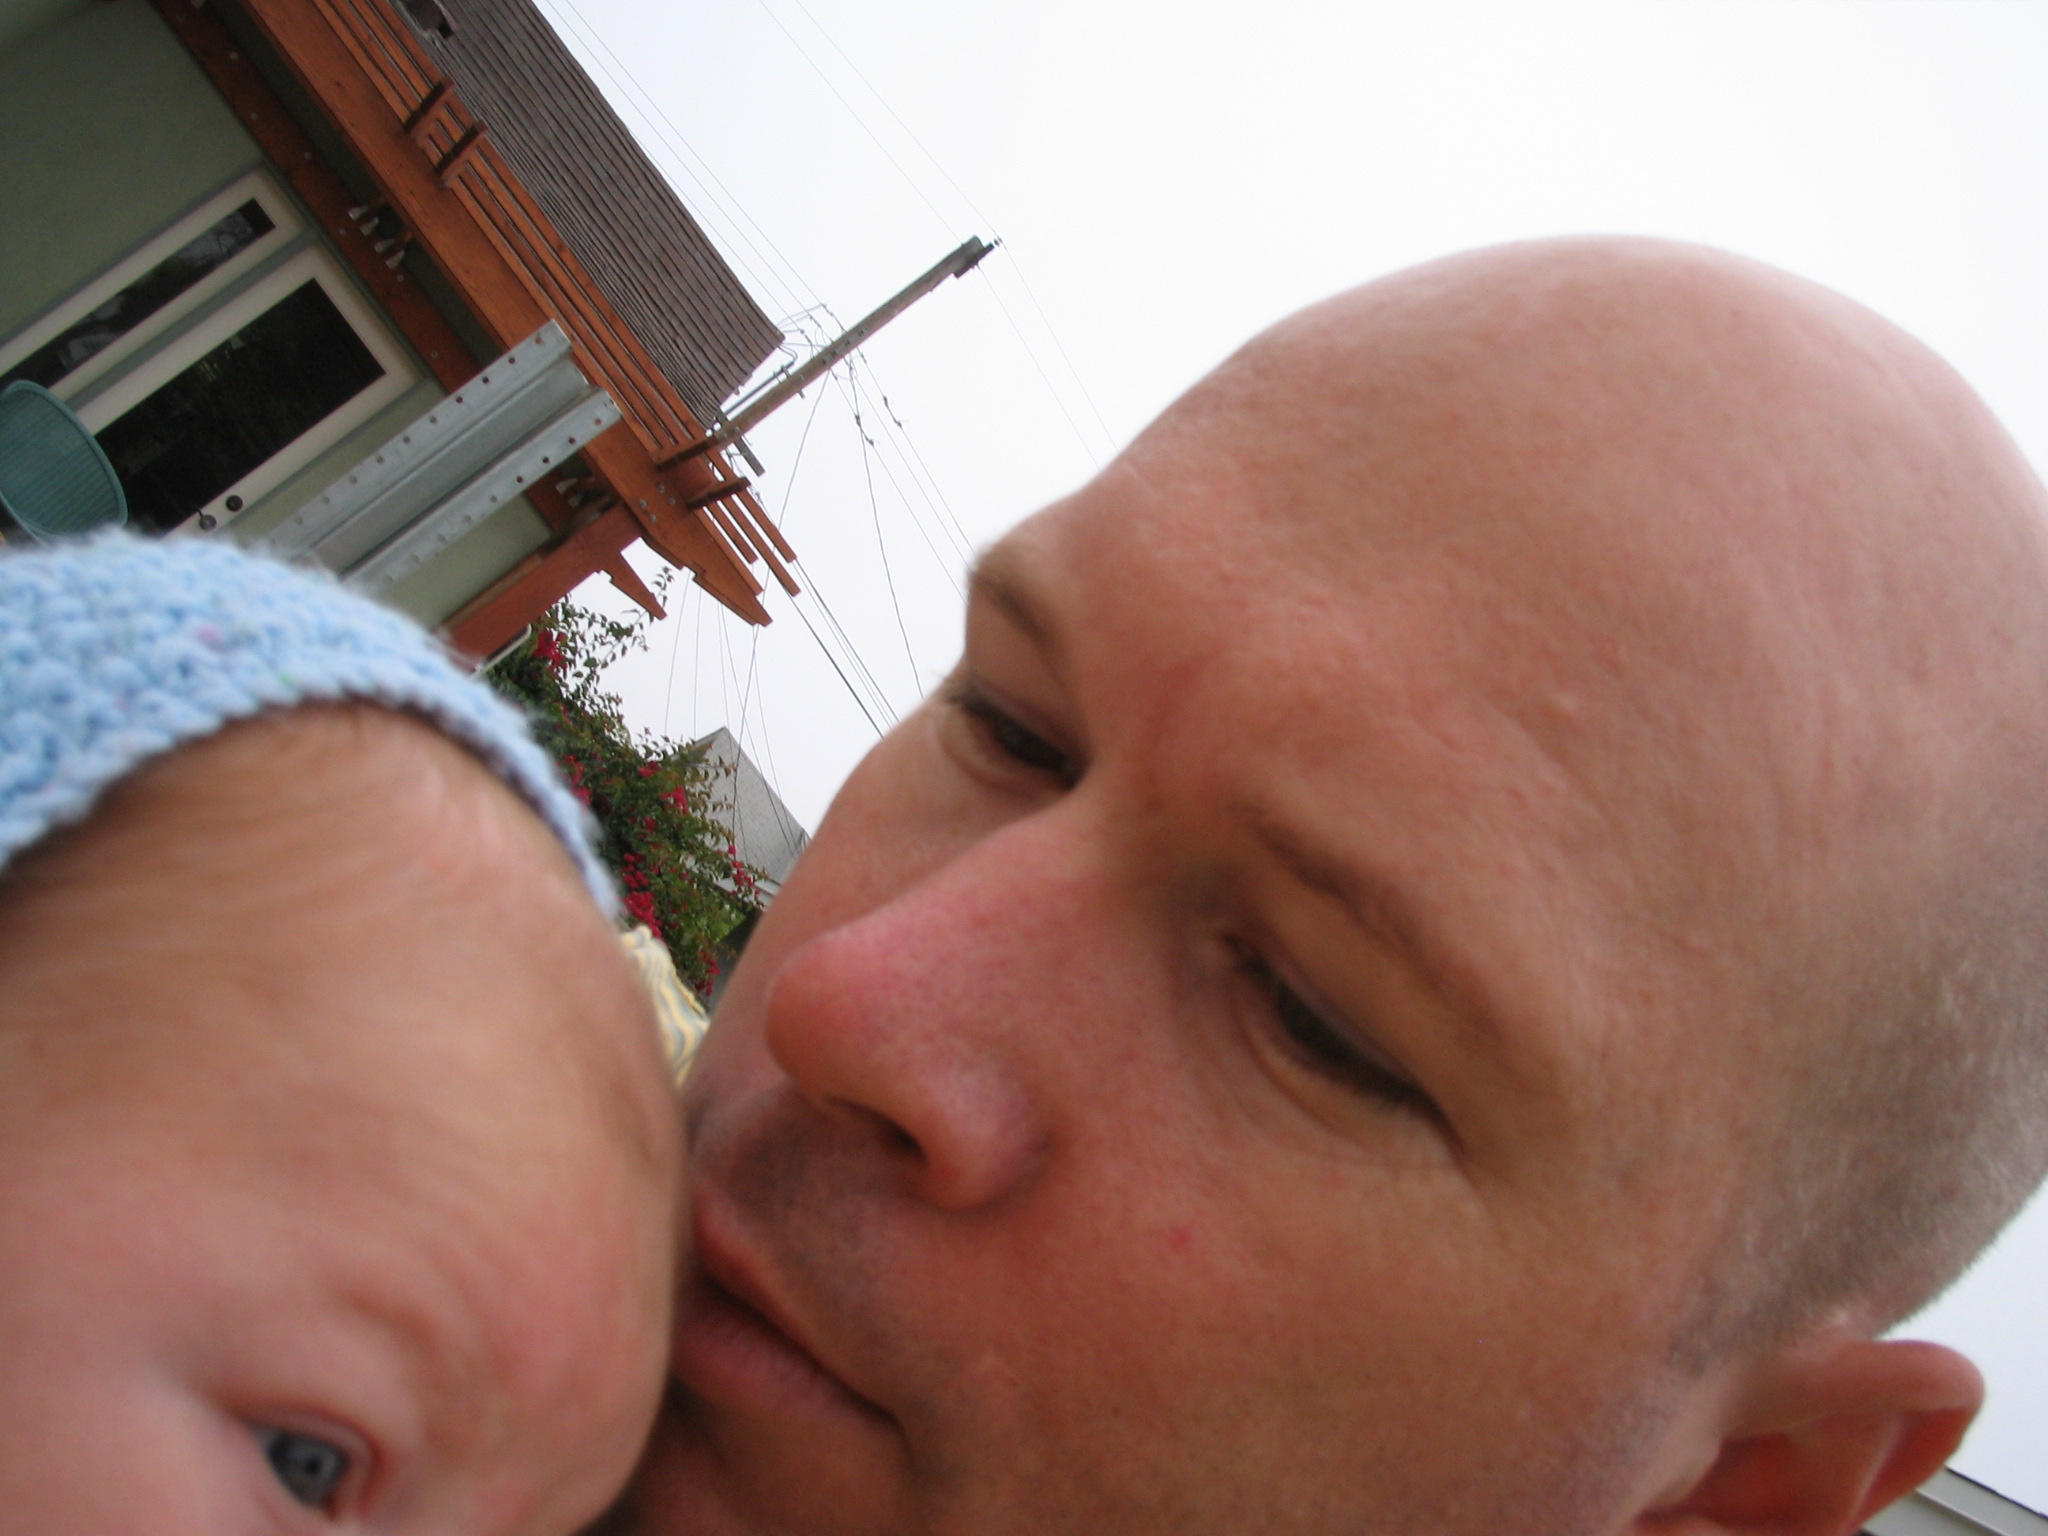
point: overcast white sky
(1168, 179)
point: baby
(338, 1162)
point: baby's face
(337, 1161)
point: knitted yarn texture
(116, 650)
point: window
(218, 360)
(264, 388)
(110, 319)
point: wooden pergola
(443, 187)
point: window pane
(277, 377)
(92, 333)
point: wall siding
(108, 132)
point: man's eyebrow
(1383, 909)
(999, 579)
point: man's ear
(1821, 1435)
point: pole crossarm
(780, 391)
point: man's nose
(928, 1026)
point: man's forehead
(1677, 522)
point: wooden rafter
(291, 153)
(443, 179)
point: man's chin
(705, 1475)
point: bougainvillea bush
(663, 810)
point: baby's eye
(310, 1468)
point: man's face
(1225, 1063)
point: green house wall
(108, 132)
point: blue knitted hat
(117, 650)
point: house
(388, 285)
(1949, 1504)
(766, 837)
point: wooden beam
(733, 532)
(215, 49)
(717, 492)
(423, 116)
(747, 512)
(554, 507)
(371, 113)
(537, 584)
(402, 119)
(628, 581)
(450, 165)
(656, 502)
(764, 522)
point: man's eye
(1013, 740)
(1328, 1050)
(310, 1468)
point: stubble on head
(1774, 579)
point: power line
(932, 498)
(753, 672)
(908, 132)
(697, 676)
(666, 130)
(790, 826)
(921, 472)
(789, 485)
(852, 111)
(881, 544)
(959, 191)
(906, 450)
(855, 692)
(675, 645)
(724, 672)
(1065, 356)
(725, 657)
(1079, 436)
(811, 585)
(945, 568)
(853, 655)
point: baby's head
(338, 1169)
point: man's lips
(734, 1347)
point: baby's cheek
(593, 1327)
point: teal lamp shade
(55, 480)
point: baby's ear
(1820, 1436)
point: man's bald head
(1782, 547)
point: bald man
(1465, 938)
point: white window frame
(315, 263)
(286, 225)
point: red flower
(641, 905)
(647, 770)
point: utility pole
(786, 386)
